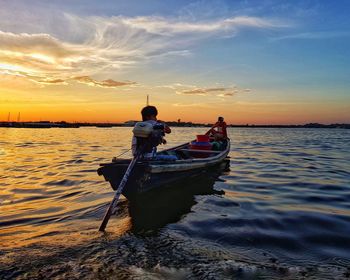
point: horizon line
(182, 122)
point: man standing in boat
(218, 130)
(149, 115)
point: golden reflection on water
(49, 188)
(312, 208)
(51, 198)
(246, 195)
(71, 234)
(33, 188)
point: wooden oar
(117, 194)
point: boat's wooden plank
(182, 167)
(175, 148)
(216, 157)
(201, 151)
(186, 165)
(164, 165)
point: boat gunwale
(186, 165)
(207, 159)
(163, 163)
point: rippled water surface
(282, 210)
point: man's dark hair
(148, 111)
(220, 119)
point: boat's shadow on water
(154, 210)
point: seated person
(149, 114)
(218, 130)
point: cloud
(197, 105)
(105, 83)
(109, 83)
(51, 81)
(43, 44)
(197, 91)
(315, 35)
(202, 91)
(217, 91)
(84, 46)
(163, 26)
(39, 55)
(226, 94)
(175, 86)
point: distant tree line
(63, 124)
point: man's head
(220, 119)
(149, 113)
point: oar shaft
(117, 194)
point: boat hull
(149, 176)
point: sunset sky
(262, 62)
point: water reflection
(154, 210)
(286, 204)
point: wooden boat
(152, 175)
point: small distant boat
(152, 175)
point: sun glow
(10, 67)
(44, 58)
(101, 66)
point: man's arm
(166, 127)
(211, 130)
(215, 125)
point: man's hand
(166, 127)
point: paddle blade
(105, 219)
(123, 182)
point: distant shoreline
(48, 124)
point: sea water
(282, 210)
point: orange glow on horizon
(114, 102)
(119, 114)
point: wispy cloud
(51, 81)
(109, 83)
(215, 91)
(226, 94)
(196, 105)
(105, 83)
(163, 26)
(43, 44)
(110, 44)
(202, 91)
(315, 35)
(39, 54)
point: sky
(250, 61)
